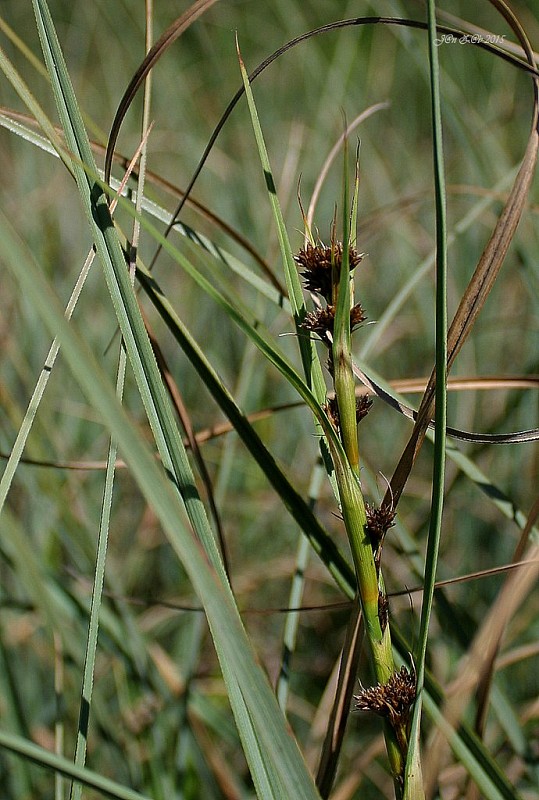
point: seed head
(357, 316)
(321, 322)
(379, 521)
(332, 410)
(317, 263)
(363, 406)
(392, 699)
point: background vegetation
(160, 721)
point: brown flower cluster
(319, 265)
(322, 321)
(392, 699)
(379, 521)
(332, 410)
(363, 406)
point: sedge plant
(328, 272)
(147, 675)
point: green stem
(351, 497)
(343, 375)
(379, 641)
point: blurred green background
(301, 100)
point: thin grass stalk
(340, 711)
(292, 620)
(97, 589)
(102, 541)
(413, 778)
(59, 731)
(344, 449)
(39, 390)
(296, 595)
(488, 265)
(97, 593)
(343, 375)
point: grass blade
(31, 751)
(259, 707)
(413, 786)
(269, 748)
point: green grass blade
(39, 390)
(33, 106)
(153, 394)
(413, 787)
(31, 751)
(322, 543)
(279, 753)
(272, 744)
(106, 506)
(464, 741)
(97, 593)
(309, 356)
(492, 784)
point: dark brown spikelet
(316, 265)
(363, 406)
(320, 322)
(379, 521)
(383, 610)
(332, 410)
(392, 699)
(357, 316)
